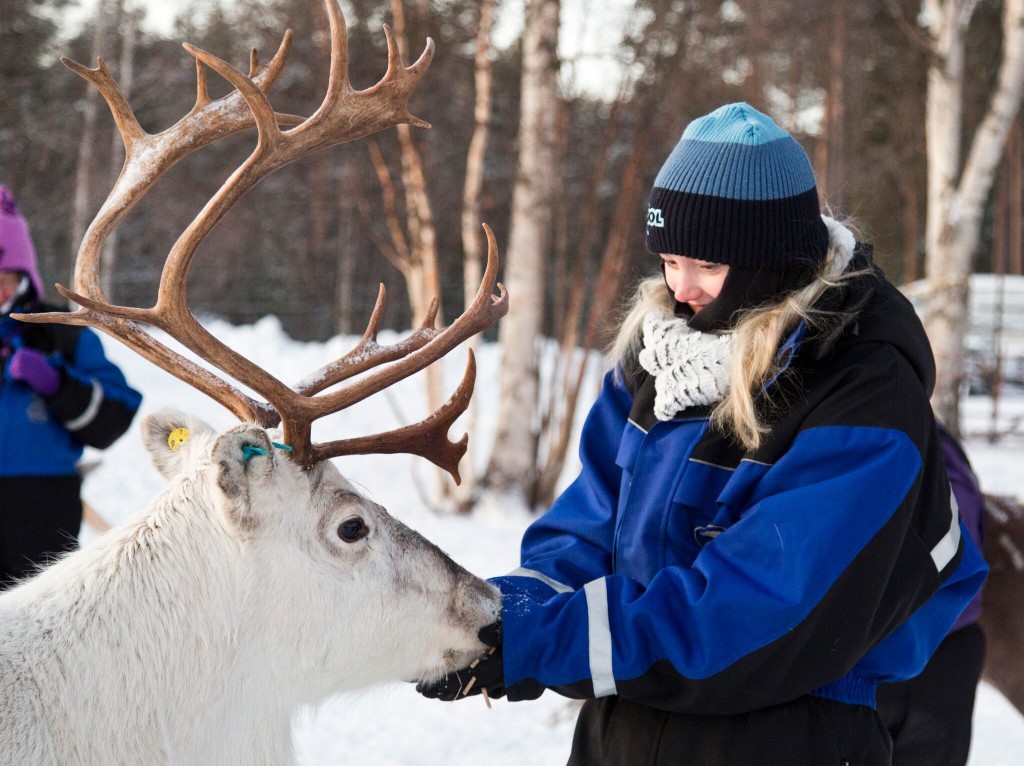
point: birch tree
(956, 197)
(512, 465)
(472, 233)
(82, 210)
(126, 76)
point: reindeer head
(339, 594)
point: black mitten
(486, 672)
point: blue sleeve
(94, 401)
(783, 602)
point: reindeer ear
(245, 460)
(170, 438)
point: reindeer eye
(353, 529)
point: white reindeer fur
(191, 634)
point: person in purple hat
(59, 393)
(762, 530)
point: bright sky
(591, 30)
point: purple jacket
(971, 504)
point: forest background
(849, 79)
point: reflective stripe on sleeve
(600, 638)
(91, 409)
(553, 584)
(944, 552)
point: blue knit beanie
(737, 189)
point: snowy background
(393, 726)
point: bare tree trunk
(606, 292)
(654, 52)
(956, 200)
(310, 258)
(82, 210)
(419, 215)
(1014, 167)
(512, 465)
(125, 75)
(911, 228)
(568, 375)
(472, 236)
(835, 173)
(348, 210)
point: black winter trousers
(929, 717)
(809, 731)
(40, 517)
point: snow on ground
(393, 726)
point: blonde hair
(759, 333)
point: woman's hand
(485, 672)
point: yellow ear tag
(178, 437)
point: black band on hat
(747, 233)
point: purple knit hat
(16, 251)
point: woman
(761, 531)
(58, 394)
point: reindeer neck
(157, 599)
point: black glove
(486, 672)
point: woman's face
(695, 283)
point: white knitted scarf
(690, 368)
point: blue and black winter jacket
(93, 406)
(686, 574)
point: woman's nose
(686, 290)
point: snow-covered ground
(393, 726)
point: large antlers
(344, 115)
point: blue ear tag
(248, 450)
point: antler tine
(428, 438)
(266, 78)
(259, 105)
(389, 96)
(254, 62)
(397, 67)
(202, 87)
(127, 124)
(338, 84)
(368, 353)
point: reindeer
(1002, 617)
(259, 579)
